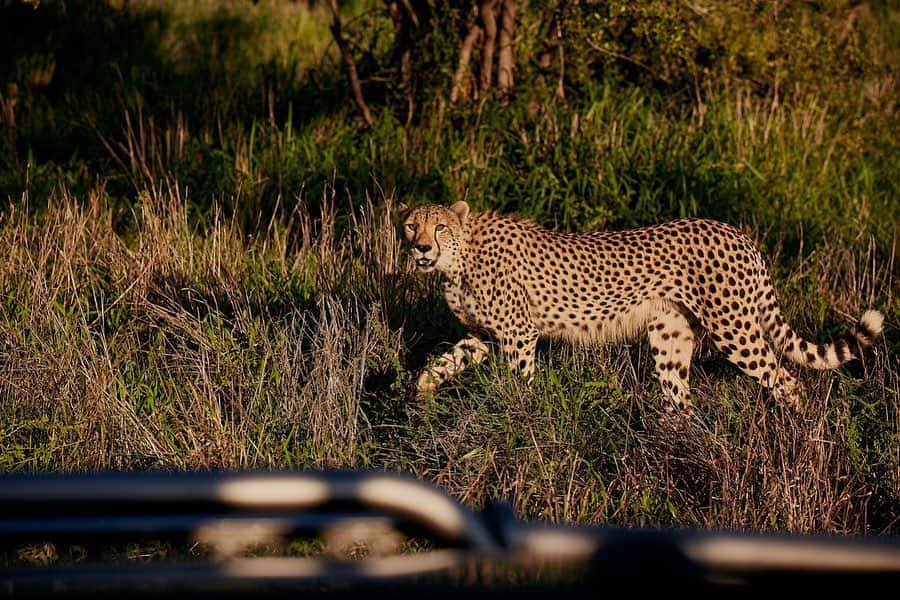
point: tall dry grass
(163, 351)
(195, 346)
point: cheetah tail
(831, 355)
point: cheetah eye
(411, 226)
(440, 227)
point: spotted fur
(512, 280)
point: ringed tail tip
(869, 327)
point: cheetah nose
(423, 248)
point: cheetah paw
(426, 386)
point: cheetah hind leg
(672, 342)
(749, 351)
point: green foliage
(699, 129)
(769, 47)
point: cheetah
(511, 280)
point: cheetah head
(435, 234)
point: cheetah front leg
(518, 349)
(468, 351)
(672, 343)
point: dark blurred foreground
(361, 521)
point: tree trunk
(403, 49)
(505, 62)
(349, 64)
(8, 116)
(489, 22)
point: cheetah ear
(461, 210)
(403, 210)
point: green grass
(200, 269)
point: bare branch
(560, 83)
(349, 64)
(465, 55)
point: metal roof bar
(168, 505)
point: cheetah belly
(593, 327)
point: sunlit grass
(200, 269)
(181, 347)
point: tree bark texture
(505, 62)
(489, 23)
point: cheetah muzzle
(425, 265)
(514, 281)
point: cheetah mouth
(425, 264)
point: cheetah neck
(455, 273)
